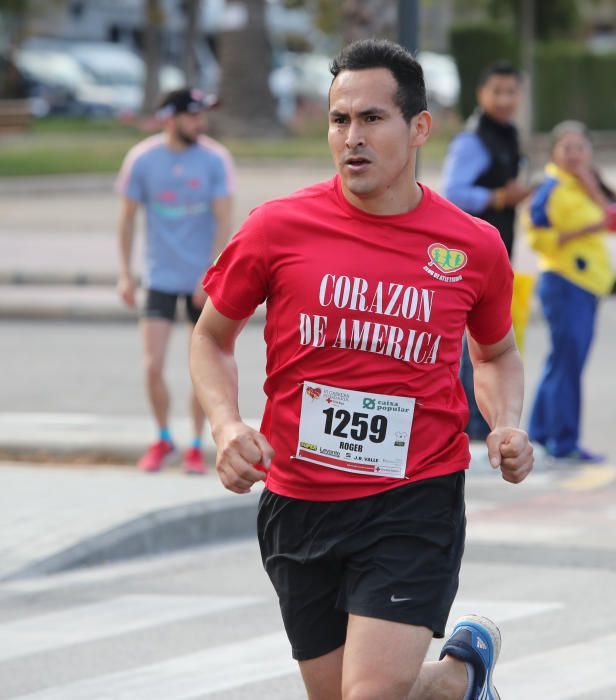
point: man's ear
(421, 126)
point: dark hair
(503, 68)
(380, 53)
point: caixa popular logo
(369, 403)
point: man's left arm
(221, 207)
(499, 391)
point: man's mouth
(356, 162)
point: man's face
(188, 126)
(370, 142)
(572, 152)
(499, 97)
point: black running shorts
(162, 305)
(394, 556)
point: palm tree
(247, 106)
(192, 13)
(154, 19)
(363, 19)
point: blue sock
(470, 674)
(165, 435)
(197, 443)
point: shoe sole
(168, 460)
(495, 638)
(194, 472)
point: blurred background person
(570, 213)
(184, 181)
(480, 176)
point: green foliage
(474, 46)
(329, 16)
(573, 83)
(553, 18)
(57, 146)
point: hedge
(571, 82)
(474, 46)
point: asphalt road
(540, 560)
(63, 367)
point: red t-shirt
(368, 303)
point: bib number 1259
(355, 431)
(360, 425)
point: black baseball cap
(189, 100)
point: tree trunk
(247, 107)
(364, 19)
(151, 54)
(192, 13)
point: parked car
(442, 80)
(58, 74)
(105, 79)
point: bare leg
(440, 680)
(323, 676)
(385, 661)
(198, 416)
(155, 334)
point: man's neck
(389, 204)
(174, 143)
(494, 120)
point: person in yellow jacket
(568, 219)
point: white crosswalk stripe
(216, 669)
(186, 677)
(561, 674)
(117, 616)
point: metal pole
(527, 41)
(408, 24)
(408, 36)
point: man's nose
(355, 135)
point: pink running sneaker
(194, 462)
(155, 456)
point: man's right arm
(214, 374)
(466, 160)
(127, 284)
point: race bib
(355, 431)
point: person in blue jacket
(481, 177)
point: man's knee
(153, 370)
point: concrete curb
(87, 301)
(158, 532)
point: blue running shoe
(476, 640)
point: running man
(362, 445)
(184, 181)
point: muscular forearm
(214, 375)
(499, 388)
(126, 233)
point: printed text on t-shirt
(385, 299)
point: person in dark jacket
(481, 177)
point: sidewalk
(58, 518)
(59, 262)
(68, 510)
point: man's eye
(372, 118)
